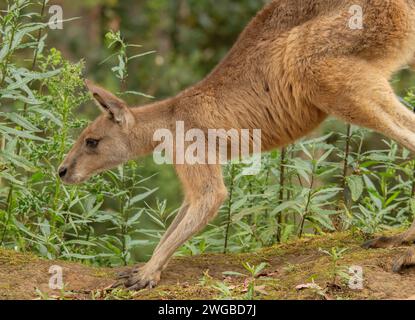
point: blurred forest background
(347, 178)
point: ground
(296, 270)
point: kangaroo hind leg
(357, 93)
(360, 95)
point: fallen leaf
(308, 286)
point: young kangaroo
(296, 63)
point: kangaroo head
(104, 144)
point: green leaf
(233, 274)
(323, 220)
(21, 121)
(17, 161)
(135, 217)
(37, 176)
(355, 184)
(141, 196)
(141, 55)
(79, 256)
(49, 115)
(18, 133)
(260, 268)
(138, 94)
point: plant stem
(36, 53)
(281, 193)
(124, 215)
(346, 162)
(6, 61)
(343, 185)
(9, 213)
(228, 222)
(306, 211)
(307, 207)
(264, 188)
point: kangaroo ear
(110, 104)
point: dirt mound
(305, 269)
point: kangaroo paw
(136, 279)
(142, 279)
(382, 242)
(405, 261)
(127, 273)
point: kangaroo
(295, 64)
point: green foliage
(37, 127)
(251, 288)
(336, 271)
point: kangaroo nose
(62, 171)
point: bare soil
(298, 263)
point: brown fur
(296, 63)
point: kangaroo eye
(92, 143)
